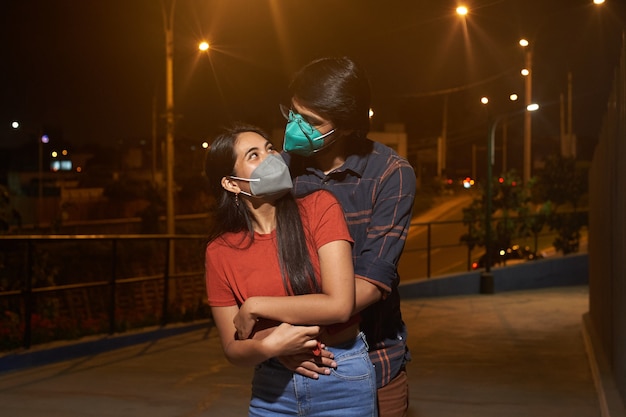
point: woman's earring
(237, 200)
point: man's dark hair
(337, 89)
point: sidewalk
(509, 354)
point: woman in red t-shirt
(280, 281)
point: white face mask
(270, 177)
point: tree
(561, 185)
(558, 191)
(561, 181)
(509, 209)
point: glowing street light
(462, 10)
(532, 107)
(203, 46)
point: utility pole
(168, 22)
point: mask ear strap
(330, 132)
(326, 145)
(245, 179)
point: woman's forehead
(247, 140)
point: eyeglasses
(291, 115)
(286, 111)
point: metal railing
(436, 237)
(105, 273)
(22, 283)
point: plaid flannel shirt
(376, 189)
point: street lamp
(485, 102)
(442, 141)
(203, 46)
(486, 277)
(168, 23)
(41, 140)
(527, 72)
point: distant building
(393, 136)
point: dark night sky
(90, 68)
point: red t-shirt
(235, 271)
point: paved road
(509, 354)
(449, 254)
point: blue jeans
(349, 390)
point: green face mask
(301, 138)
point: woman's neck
(264, 216)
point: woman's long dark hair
(231, 216)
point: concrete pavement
(511, 354)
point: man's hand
(286, 339)
(308, 364)
(244, 321)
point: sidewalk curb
(44, 355)
(542, 273)
(610, 400)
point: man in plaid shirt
(327, 148)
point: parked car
(504, 256)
